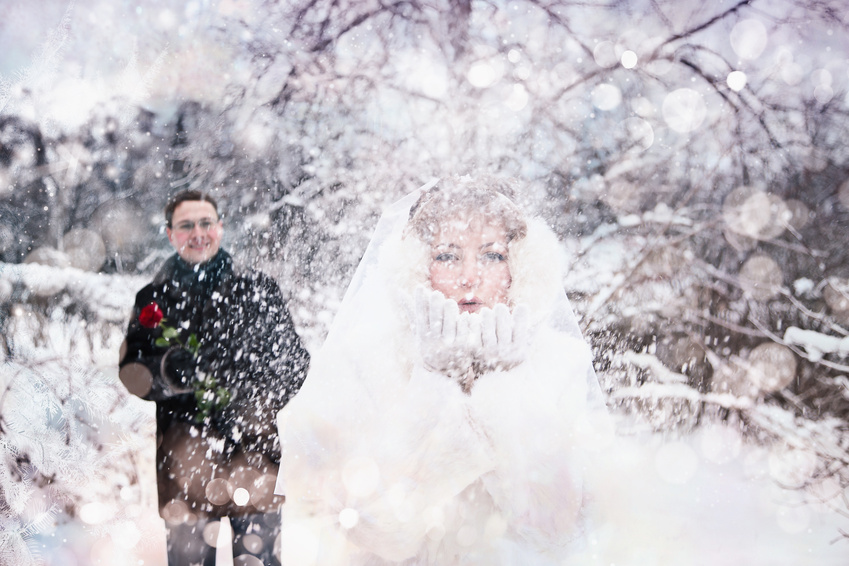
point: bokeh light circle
(736, 80)
(684, 110)
(628, 59)
(772, 367)
(348, 518)
(640, 133)
(761, 277)
(606, 96)
(748, 39)
(604, 54)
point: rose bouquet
(209, 395)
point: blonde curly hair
(488, 198)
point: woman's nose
(469, 273)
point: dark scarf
(199, 280)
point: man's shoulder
(146, 294)
(166, 271)
(250, 285)
(253, 278)
(159, 279)
(156, 289)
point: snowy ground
(677, 503)
(711, 500)
(708, 498)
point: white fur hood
(537, 268)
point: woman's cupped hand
(455, 343)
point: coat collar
(200, 278)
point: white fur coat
(385, 462)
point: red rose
(150, 316)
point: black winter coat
(248, 345)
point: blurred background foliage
(691, 156)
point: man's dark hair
(183, 196)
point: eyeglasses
(205, 225)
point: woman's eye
(493, 257)
(446, 256)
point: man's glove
(505, 336)
(178, 369)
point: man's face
(195, 231)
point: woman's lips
(470, 305)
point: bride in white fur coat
(446, 418)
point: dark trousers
(254, 539)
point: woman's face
(469, 263)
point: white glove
(505, 336)
(442, 337)
(435, 321)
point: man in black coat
(217, 351)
